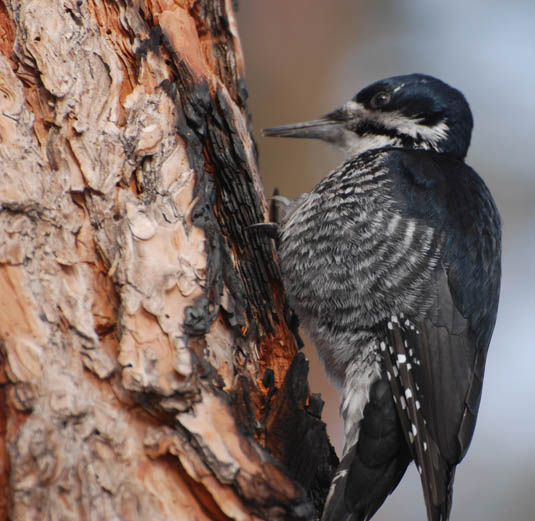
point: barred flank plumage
(344, 249)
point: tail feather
(371, 468)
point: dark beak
(325, 129)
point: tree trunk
(145, 354)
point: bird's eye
(380, 100)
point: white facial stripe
(352, 144)
(411, 127)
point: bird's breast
(349, 259)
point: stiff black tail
(372, 468)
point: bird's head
(411, 111)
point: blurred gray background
(306, 57)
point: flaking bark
(143, 329)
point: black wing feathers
(448, 195)
(412, 396)
(436, 358)
(431, 362)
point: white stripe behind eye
(412, 127)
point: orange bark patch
(7, 33)
(179, 27)
(17, 308)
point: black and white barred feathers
(392, 264)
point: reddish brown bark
(138, 315)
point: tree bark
(148, 366)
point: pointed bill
(316, 129)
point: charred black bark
(228, 203)
(308, 457)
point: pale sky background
(306, 57)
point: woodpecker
(392, 264)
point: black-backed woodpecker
(392, 264)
